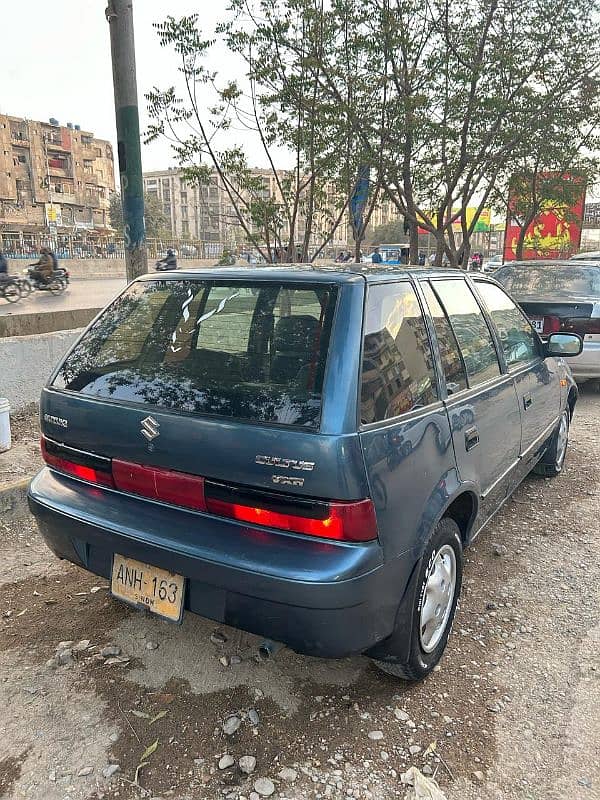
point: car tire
(553, 460)
(438, 589)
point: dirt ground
(513, 712)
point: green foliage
(443, 101)
(157, 223)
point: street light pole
(119, 14)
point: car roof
(324, 273)
(550, 263)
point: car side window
(452, 363)
(397, 368)
(516, 334)
(470, 328)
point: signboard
(556, 230)
(359, 199)
(483, 223)
(53, 214)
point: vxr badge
(150, 428)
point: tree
(388, 233)
(291, 213)
(157, 223)
(550, 173)
(453, 90)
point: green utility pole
(119, 14)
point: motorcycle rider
(3, 266)
(169, 262)
(45, 266)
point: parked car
(491, 264)
(561, 296)
(591, 255)
(300, 453)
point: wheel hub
(437, 598)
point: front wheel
(57, 285)
(26, 287)
(12, 292)
(553, 459)
(434, 604)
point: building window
(86, 140)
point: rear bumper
(320, 598)
(587, 364)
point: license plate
(156, 589)
(538, 323)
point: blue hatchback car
(301, 453)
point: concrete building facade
(206, 213)
(53, 178)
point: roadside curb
(13, 498)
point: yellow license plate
(159, 591)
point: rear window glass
(252, 351)
(550, 280)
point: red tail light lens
(165, 485)
(348, 522)
(551, 324)
(86, 466)
(581, 325)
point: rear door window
(452, 363)
(397, 366)
(252, 351)
(470, 328)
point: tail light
(343, 521)
(168, 486)
(581, 325)
(79, 464)
(551, 324)
(348, 522)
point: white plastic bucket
(5, 441)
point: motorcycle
(164, 266)
(10, 290)
(56, 284)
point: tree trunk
(521, 242)
(413, 234)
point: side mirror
(564, 344)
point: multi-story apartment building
(53, 178)
(200, 212)
(206, 213)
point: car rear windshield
(249, 351)
(550, 280)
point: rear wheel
(12, 292)
(57, 285)
(553, 460)
(434, 604)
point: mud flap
(396, 647)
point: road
(512, 714)
(80, 294)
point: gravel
(247, 764)
(231, 724)
(264, 787)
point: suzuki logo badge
(150, 428)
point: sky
(56, 63)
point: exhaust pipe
(269, 649)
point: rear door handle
(527, 401)
(471, 438)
